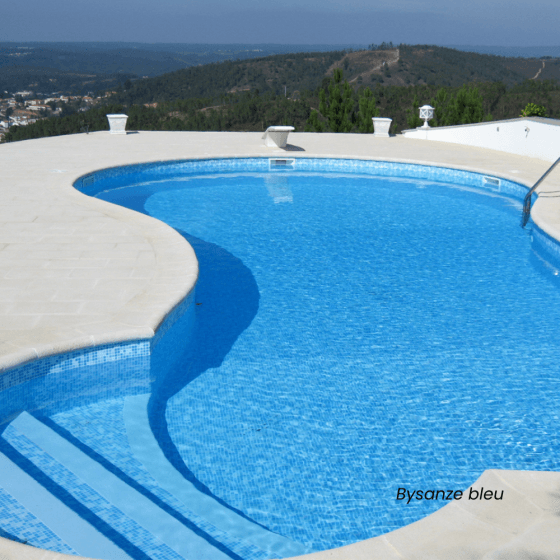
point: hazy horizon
(360, 22)
(243, 49)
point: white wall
(532, 137)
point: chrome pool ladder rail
(528, 196)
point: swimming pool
(296, 297)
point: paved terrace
(77, 272)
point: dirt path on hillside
(538, 73)
(392, 58)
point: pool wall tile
(134, 174)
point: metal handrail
(527, 201)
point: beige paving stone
(65, 343)
(44, 308)
(40, 336)
(78, 263)
(6, 307)
(44, 222)
(24, 293)
(136, 284)
(93, 295)
(17, 216)
(365, 550)
(541, 488)
(30, 253)
(25, 272)
(138, 318)
(136, 247)
(145, 258)
(114, 255)
(539, 542)
(513, 513)
(57, 239)
(111, 272)
(130, 241)
(20, 237)
(102, 306)
(447, 533)
(16, 357)
(143, 271)
(56, 284)
(59, 322)
(16, 323)
(17, 285)
(131, 262)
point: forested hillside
(399, 66)
(252, 111)
(295, 72)
(134, 60)
(307, 90)
(18, 78)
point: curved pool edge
(134, 325)
(524, 525)
(159, 287)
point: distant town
(26, 107)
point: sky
(440, 22)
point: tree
(465, 107)
(413, 117)
(368, 110)
(338, 107)
(313, 123)
(532, 110)
(440, 103)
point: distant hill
(51, 80)
(297, 71)
(403, 66)
(176, 71)
(254, 93)
(138, 58)
(510, 52)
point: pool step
(147, 450)
(147, 519)
(77, 533)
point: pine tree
(465, 107)
(313, 123)
(413, 119)
(368, 110)
(337, 108)
(440, 106)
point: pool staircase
(529, 196)
(86, 505)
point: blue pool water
(351, 334)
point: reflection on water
(278, 188)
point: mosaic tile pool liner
(134, 174)
(136, 354)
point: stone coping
(77, 272)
